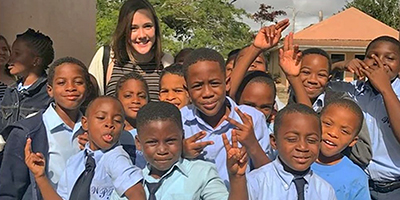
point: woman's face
(143, 31)
(4, 53)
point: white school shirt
(385, 162)
(216, 153)
(62, 144)
(114, 171)
(271, 181)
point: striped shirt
(3, 88)
(148, 71)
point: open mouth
(108, 138)
(329, 143)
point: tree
(106, 20)
(264, 15)
(386, 11)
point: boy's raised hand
(376, 74)
(34, 161)
(290, 57)
(245, 131)
(236, 158)
(192, 148)
(269, 36)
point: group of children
(215, 134)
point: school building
(343, 36)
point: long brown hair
(123, 53)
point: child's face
(229, 67)
(388, 53)
(133, 96)
(259, 96)
(68, 87)
(258, 64)
(161, 144)
(339, 130)
(4, 53)
(104, 123)
(314, 74)
(22, 59)
(173, 90)
(206, 86)
(298, 140)
(143, 31)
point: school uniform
(193, 123)
(51, 137)
(383, 169)
(127, 140)
(271, 181)
(346, 178)
(114, 171)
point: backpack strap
(106, 58)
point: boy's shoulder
(197, 165)
(265, 173)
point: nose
(207, 92)
(70, 86)
(141, 33)
(110, 124)
(312, 79)
(302, 145)
(170, 96)
(162, 149)
(333, 133)
(135, 99)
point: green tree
(386, 11)
(106, 20)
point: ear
(228, 83)
(272, 141)
(84, 123)
(352, 143)
(37, 61)
(137, 143)
(50, 90)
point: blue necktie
(300, 182)
(81, 189)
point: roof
(350, 27)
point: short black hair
(255, 77)
(384, 38)
(232, 55)
(40, 44)
(71, 60)
(182, 54)
(176, 69)
(133, 75)
(351, 106)
(158, 111)
(321, 52)
(203, 54)
(104, 97)
(294, 108)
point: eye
(306, 72)
(215, 83)
(322, 75)
(142, 96)
(134, 28)
(346, 132)
(60, 82)
(148, 26)
(171, 141)
(196, 86)
(127, 96)
(100, 117)
(163, 91)
(151, 142)
(312, 140)
(178, 90)
(326, 123)
(291, 139)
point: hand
(269, 36)
(236, 158)
(290, 57)
(191, 148)
(82, 140)
(377, 75)
(354, 66)
(34, 161)
(245, 131)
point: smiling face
(143, 32)
(206, 86)
(339, 130)
(4, 53)
(104, 123)
(388, 53)
(298, 140)
(161, 143)
(68, 87)
(260, 96)
(314, 74)
(22, 59)
(173, 90)
(133, 96)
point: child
(341, 121)
(181, 55)
(173, 87)
(31, 53)
(379, 99)
(5, 76)
(307, 73)
(99, 169)
(212, 113)
(297, 135)
(52, 131)
(168, 175)
(133, 92)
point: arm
(246, 136)
(236, 166)
(378, 77)
(136, 192)
(290, 63)
(36, 163)
(266, 38)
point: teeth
(329, 142)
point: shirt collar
(363, 86)
(319, 102)
(97, 155)
(32, 88)
(179, 165)
(286, 177)
(54, 121)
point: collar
(180, 166)
(319, 103)
(363, 86)
(33, 89)
(286, 177)
(194, 115)
(54, 122)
